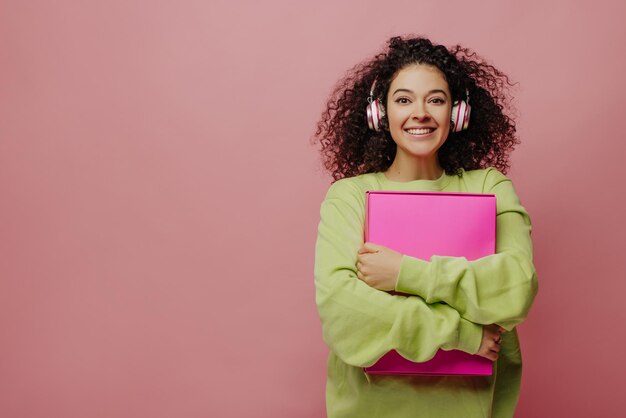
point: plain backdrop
(159, 197)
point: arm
(361, 324)
(499, 288)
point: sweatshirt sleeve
(360, 323)
(498, 288)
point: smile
(419, 131)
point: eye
(437, 100)
(403, 100)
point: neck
(409, 169)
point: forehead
(419, 77)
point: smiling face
(418, 112)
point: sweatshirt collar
(434, 185)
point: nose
(419, 112)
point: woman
(390, 125)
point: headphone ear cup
(459, 118)
(375, 112)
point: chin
(422, 151)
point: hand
(378, 266)
(490, 345)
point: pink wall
(160, 199)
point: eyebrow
(430, 92)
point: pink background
(160, 199)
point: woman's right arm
(360, 323)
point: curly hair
(349, 148)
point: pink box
(423, 224)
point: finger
(490, 355)
(371, 247)
(493, 355)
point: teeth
(420, 131)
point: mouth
(419, 132)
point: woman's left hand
(378, 266)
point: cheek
(444, 117)
(396, 119)
(395, 129)
(394, 124)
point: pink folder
(423, 224)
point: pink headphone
(459, 118)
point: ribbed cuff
(414, 276)
(470, 336)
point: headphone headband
(372, 88)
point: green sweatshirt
(450, 298)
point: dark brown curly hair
(349, 148)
